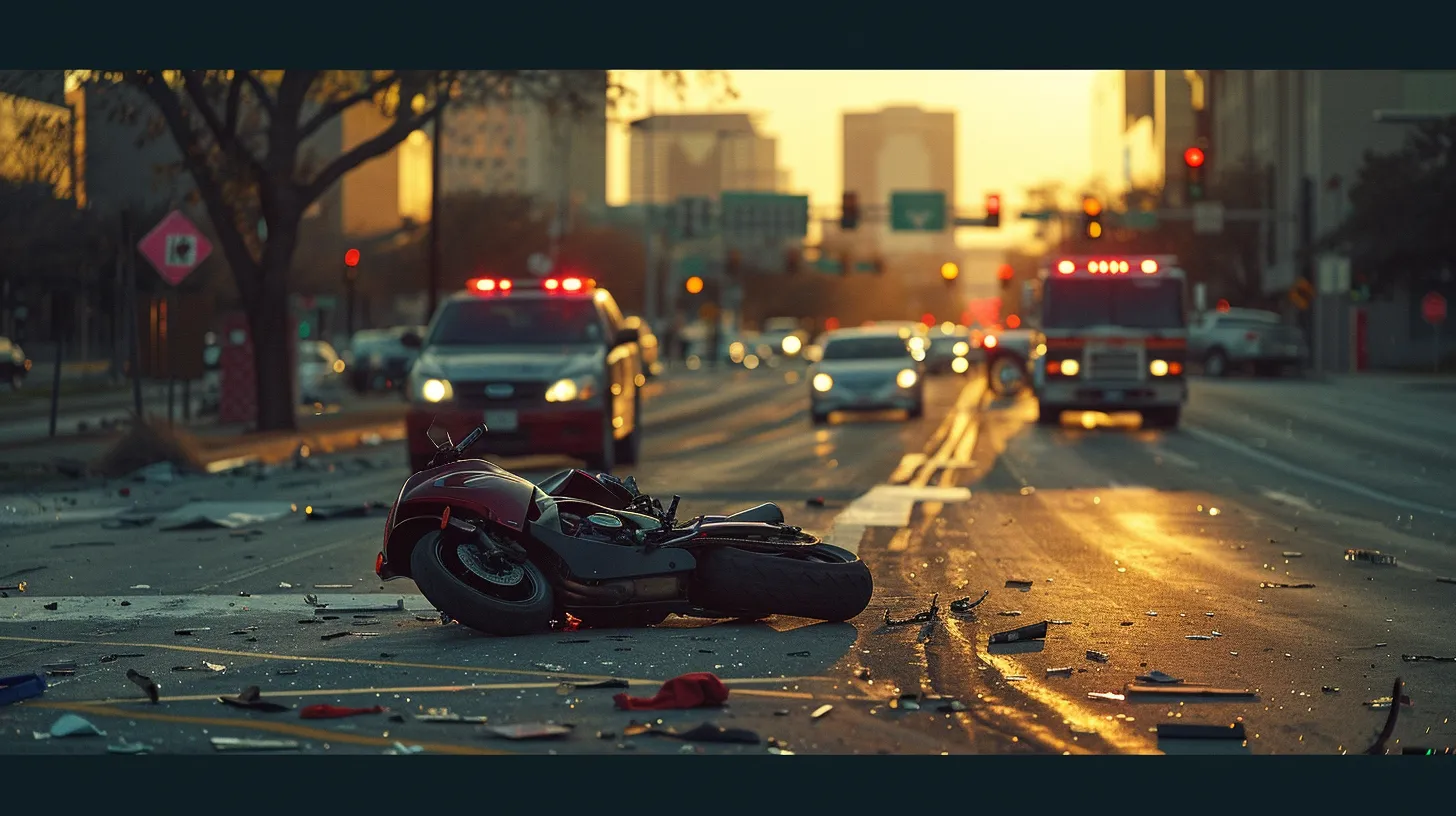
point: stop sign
(1433, 308)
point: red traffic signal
(1005, 272)
(993, 204)
(351, 258)
(1193, 157)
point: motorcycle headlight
(571, 390)
(906, 378)
(434, 389)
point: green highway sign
(1138, 219)
(765, 215)
(1043, 215)
(691, 266)
(917, 211)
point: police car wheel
(1217, 364)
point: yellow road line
(284, 728)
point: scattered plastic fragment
(397, 606)
(706, 732)
(1015, 678)
(242, 744)
(1064, 671)
(52, 606)
(147, 685)
(526, 731)
(551, 667)
(821, 711)
(189, 632)
(1292, 554)
(1033, 631)
(1275, 585)
(1150, 613)
(65, 669)
(21, 687)
(451, 718)
(691, 690)
(1330, 689)
(1100, 657)
(1370, 557)
(251, 699)
(124, 747)
(565, 642)
(332, 712)
(333, 586)
(920, 617)
(1156, 676)
(1438, 580)
(1106, 695)
(71, 725)
(1233, 731)
(400, 748)
(1427, 659)
(613, 683)
(965, 604)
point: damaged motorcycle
(506, 556)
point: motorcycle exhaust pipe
(639, 590)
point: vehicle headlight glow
(905, 379)
(823, 382)
(792, 344)
(918, 354)
(569, 390)
(960, 365)
(338, 366)
(961, 349)
(1071, 367)
(433, 390)
(1158, 368)
(917, 343)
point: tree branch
(234, 99)
(372, 148)
(226, 138)
(259, 90)
(338, 106)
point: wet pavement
(1215, 554)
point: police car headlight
(961, 349)
(792, 344)
(906, 378)
(823, 382)
(434, 389)
(571, 390)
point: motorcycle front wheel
(819, 582)
(498, 600)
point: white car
(863, 369)
(320, 372)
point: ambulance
(1111, 336)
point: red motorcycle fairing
(473, 486)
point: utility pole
(650, 284)
(436, 256)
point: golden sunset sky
(1014, 128)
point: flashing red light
(1066, 267)
(505, 286)
(1005, 272)
(831, 323)
(993, 205)
(928, 319)
(351, 258)
(483, 285)
(552, 284)
(571, 284)
(1012, 321)
(1193, 157)
(1223, 305)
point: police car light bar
(568, 284)
(1118, 266)
(489, 285)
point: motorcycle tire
(819, 582)
(462, 594)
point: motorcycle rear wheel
(515, 602)
(819, 582)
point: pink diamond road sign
(175, 247)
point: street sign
(1301, 293)
(1138, 219)
(765, 216)
(539, 264)
(1433, 308)
(1041, 215)
(920, 211)
(175, 247)
(1208, 217)
(693, 217)
(1334, 275)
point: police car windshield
(1133, 303)
(884, 347)
(507, 321)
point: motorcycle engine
(602, 527)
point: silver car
(865, 369)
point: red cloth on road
(692, 690)
(328, 712)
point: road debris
(112, 658)
(123, 747)
(65, 669)
(1276, 585)
(1370, 557)
(213, 667)
(920, 617)
(551, 667)
(332, 586)
(1156, 676)
(1292, 554)
(331, 712)
(1016, 583)
(706, 732)
(1106, 695)
(52, 606)
(1033, 631)
(20, 587)
(1063, 671)
(447, 717)
(190, 632)
(1232, 731)
(821, 711)
(251, 698)
(146, 684)
(71, 725)
(1198, 637)
(1441, 580)
(243, 744)
(1099, 657)
(339, 511)
(798, 654)
(1185, 690)
(526, 731)
(228, 515)
(319, 608)
(1010, 613)
(1377, 748)
(1427, 659)
(21, 687)
(613, 683)
(1150, 613)
(965, 605)
(1330, 689)
(691, 690)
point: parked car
(378, 360)
(14, 365)
(320, 372)
(1237, 339)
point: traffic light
(351, 258)
(1193, 159)
(849, 211)
(949, 272)
(693, 285)
(1092, 217)
(993, 210)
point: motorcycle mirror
(440, 438)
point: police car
(550, 365)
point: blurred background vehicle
(14, 365)
(320, 372)
(1007, 354)
(950, 349)
(651, 346)
(865, 369)
(784, 337)
(378, 359)
(1246, 339)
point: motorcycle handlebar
(471, 438)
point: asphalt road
(1107, 524)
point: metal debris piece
(1060, 623)
(1100, 657)
(311, 599)
(528, 731)
(821, 711)
(147, 685)
(1015, 678)
(564, 642)
(112, 658)
(965, 604)
(1276, 585)
(613, 683)
(243, 631)
(1016, 583)
(333, 586)
(190, 632)
(335, 635)
(1156, 676)
(1292, 554)
(1182, 690)
(251, 698)
(551, 667)
(1198, 637)
(1378, 747)
(242, 744)
(450, 718)
(286, 672)
(427, 619)
(798, 654)
(1033, 631)
(1063, 671)
(1233, 731)
(309, 620)
(1010, 613)
(397, 606)
(921, 617)
(20, 587)
(1150, 613)
(1427, 659)
(1441, 580)
(124, 747)
(1106, 695)
(1330, 689)
(1370, 557)
(52, 606)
